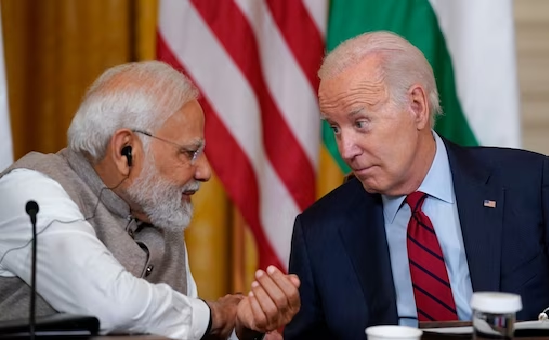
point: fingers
(269, 307)
(287, 284)
(260, 319)
(295, 280)
(277, 288)
(278, 296)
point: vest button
(149, 270)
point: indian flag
(470, 45)
(6, 150)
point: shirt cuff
(201, 318)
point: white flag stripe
(238, 113)
(235, 101)
(278, 209)
(238, 108)
(278, 212)
(480, 39)
(289, 87)
(319, 12)
(6, 145)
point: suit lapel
(481, 224)
(363, 235)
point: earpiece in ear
(127, 151)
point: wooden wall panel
(532, 42)
(54, 49)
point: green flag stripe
(416, 21)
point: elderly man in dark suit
(423, 223)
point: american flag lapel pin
(489, 204)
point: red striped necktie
(432, 291)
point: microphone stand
(32, 316)
(57, 325)
(32, 210)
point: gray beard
(161, 200)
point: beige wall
(532, 40)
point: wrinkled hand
(272, 303)
(224, 315)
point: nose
(203, 171)
(348, 147)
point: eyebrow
(197, 142)
(355, 112)
(350, 114)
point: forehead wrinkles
(369, 93)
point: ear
(122, 138)
(419, 106)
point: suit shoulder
(35, 161)
(507, 161)
(502, 155)
(513, 167)
(335, 203)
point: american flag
(255, 63)
(489, 204)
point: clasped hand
(272, 302)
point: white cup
(393, 333)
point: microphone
(32, 210)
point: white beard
(161, 200)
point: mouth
(186, 195)
(362, 172)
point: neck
(421, 164)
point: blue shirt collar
(438, 183)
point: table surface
(128, 337)
(426, 335)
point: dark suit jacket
(339, 248)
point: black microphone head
(32, 207)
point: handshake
(271, 303)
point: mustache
(191, 186)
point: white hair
(401, 65)
(135, 96)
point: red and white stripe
(255, 63)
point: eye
(335, 129)
(361, 124)
(188, 153)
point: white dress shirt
(441, 207)
(77, 274)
